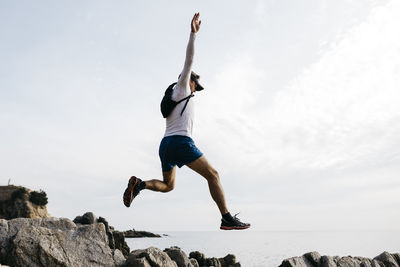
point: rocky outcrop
(175, 257)
(314, 259)
(116, 239)
(54, 242)
(138, 234)
(42, 242)
(29, 237)
(18, 201)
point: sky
(300, 115)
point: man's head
(194, 83)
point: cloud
(340, 112)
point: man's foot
(233, 223)
(132, 190)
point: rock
(119, 258)
(347, 262)
(87, 218)
(314, 257)
(387, 259)
(397, 257)
(194, 263)
(15, 202)
(297, 262)
(53, 242)
(213, 262)
(229, 261)
(364, 262)
(116, 239)
(136, 262)
(138, 234)
(120, 243)
(198, 256)
(179, 256)
(154, 256)
(110, 236)
(376, 263)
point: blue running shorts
(177, 150)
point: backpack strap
(188, 98)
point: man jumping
(177, 148)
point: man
(177, 147)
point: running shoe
(233, 224)
(132, 190)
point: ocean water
(267, 249)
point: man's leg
(135, 185)
(166, 185)
(202, 167)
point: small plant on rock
(19, 193)
(38, 198)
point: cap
(195, 77)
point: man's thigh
(202, 167)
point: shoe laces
(236, 218)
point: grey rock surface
(53, 242)
(87, 218)
(194, 263)
(154, 256)
(314, 259)
(387, 259)
(297, 261)
(119, 258)
(116, 239)
(198, 256)
(179, 256)
(132, 261)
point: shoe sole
(128, 194)
(234, 227)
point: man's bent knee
(169, 187)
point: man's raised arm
(185, 75)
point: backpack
(167, 104)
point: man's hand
(196, 23)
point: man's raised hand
(196, 23)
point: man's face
(192, 85)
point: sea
(267, 249)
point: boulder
(314, 259)
(120, 243)
(348, 262)
(327, 262)
(387, 259)
(179, 256)
(132, 261)
(194, 263)
(213, 262)
(297, 262)
(116, 239)
(87, 218)
(119, 258)
(376, 263)
(229, 261)
(53, 242)
(198, 256)
(154, 256)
